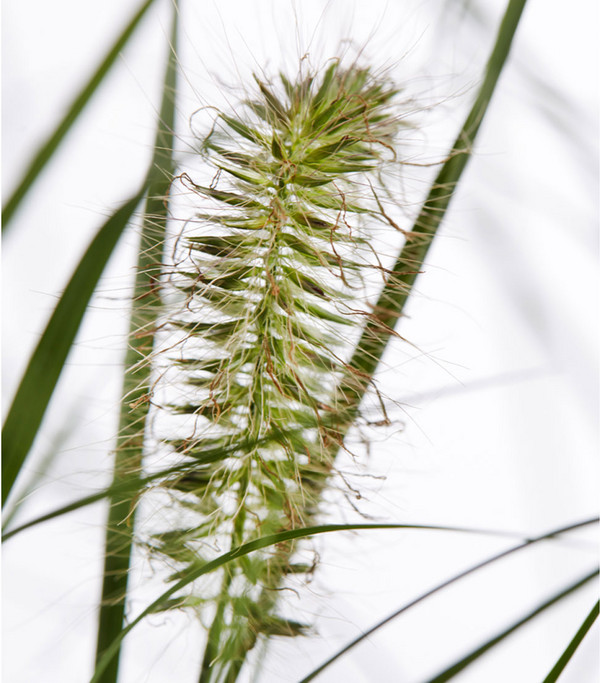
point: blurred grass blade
(552, 534)
(393, 298)
(564, 659)
(145, 308)
(241, 551)
(48, 359)
(46, 151)
(471, 657)
(45, 463)
(133, 484)
(126, 485)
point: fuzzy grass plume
(272, 278)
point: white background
(494, 401)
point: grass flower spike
(272, 279)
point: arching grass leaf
(48, 359)
(44, 154)
(480, 565)
(456, 668)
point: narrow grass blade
(40, 378)
(46, 151)
(146, 306)
(399, 285)
(134, 484)
(564, 659)
(131, 486)
(313, 674)
(241, 551)
(456, 668)
(127, 487)
(46, 462)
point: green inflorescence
(273, 302)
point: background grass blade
(564, 659)
(133, 483)
(399, 285)
(127, 485)
(41, 470)
(46, 151)
(313, 674)
(48, 359)
(145, 307)
(240, 551)
(471, 657)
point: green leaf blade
(235, 554)
(456, 668)
(46, 364)
(46, 151)
(145, 309)
(416, 601)
(565, 658)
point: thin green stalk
(456, 668)
(44, 154)
(565, 657)
(213, 637)
(146, 305)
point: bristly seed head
(271, 287)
